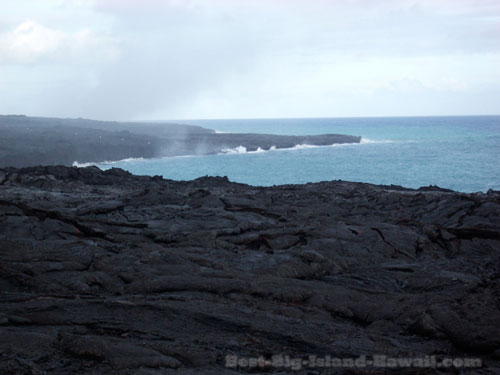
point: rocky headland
(30, 141)
(110, 273)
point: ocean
(459, 153)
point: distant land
(29, 141)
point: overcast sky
(187, 59)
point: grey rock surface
(110, 273)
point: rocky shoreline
(30, 141)
(110, 273)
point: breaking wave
(83, 165)
(96, 164)
(243, 150)
(368, 140)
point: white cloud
(31, 43)
(125, 59)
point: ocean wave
(237, 150)
(368, 140)
(107, 162)
(304, 146)
(243, 150)
(122, 160)
(83, 165)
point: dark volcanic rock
(28, 141)
(106, 272)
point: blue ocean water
(460, 153)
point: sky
(200, 59)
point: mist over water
(460, 153)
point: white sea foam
(107, 162)
(243, 150)
(237, 150)
(123, 160)
(368, 140)
(82, 165)
(301, 147)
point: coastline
(29, 141)
(241, 150)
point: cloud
(168, 57)
(129, 59)
(31, 43)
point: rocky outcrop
(106, 272)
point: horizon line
(255, 118)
